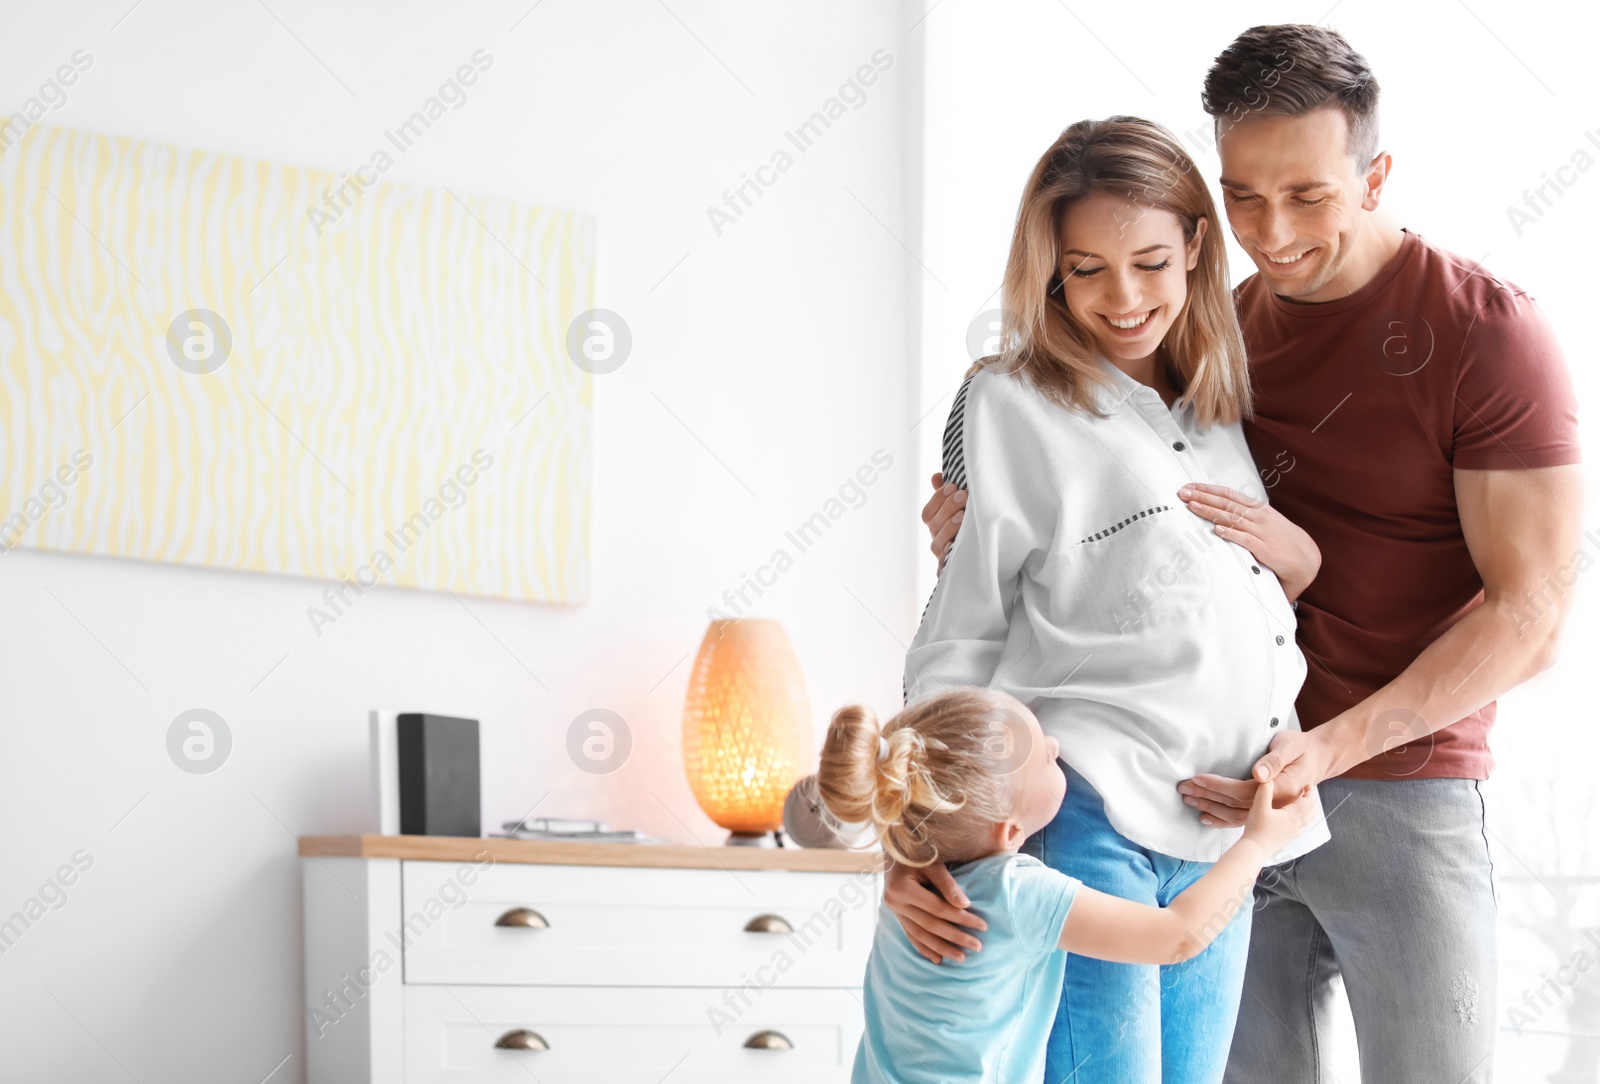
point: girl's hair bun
(929, 782)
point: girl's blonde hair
(1203, 351)
(946, 779)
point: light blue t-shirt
(983, 1020)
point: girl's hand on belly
(1222, 802)
(1260, 528)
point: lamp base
(753, 839)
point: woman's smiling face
(1125, 272)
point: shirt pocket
(1146, 569)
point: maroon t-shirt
(1364, 406)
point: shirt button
(1256, 569)
(1274, 721)
(1280, 641)
(1177, 445)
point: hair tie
(883, 749)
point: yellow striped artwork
(212, 360)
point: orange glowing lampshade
(746, 726)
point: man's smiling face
(1297, 201)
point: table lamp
(746, 727)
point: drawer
(610, 926)
(608, 1036)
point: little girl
(963, 777)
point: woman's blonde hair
(946, 779)
(1203, 351)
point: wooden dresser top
(575, 853)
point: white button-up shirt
(1079, 583)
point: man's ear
(1377, 175)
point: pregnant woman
(1152, 644)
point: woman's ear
(1192, 249)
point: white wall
(1476, 105)
(769, 364)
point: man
(1414, 415)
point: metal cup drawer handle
(768, 1040)
(524, 918)
(521, 1039)
(768, 924)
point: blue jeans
(1136, 1023)
(1401, 903)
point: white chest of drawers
(432, 960)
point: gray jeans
(1401, 903)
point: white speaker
(384, 755)
(807, 822)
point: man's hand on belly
(1295, 759)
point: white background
(769, 363)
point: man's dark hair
(1289, 71)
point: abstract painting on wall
(211, 360)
